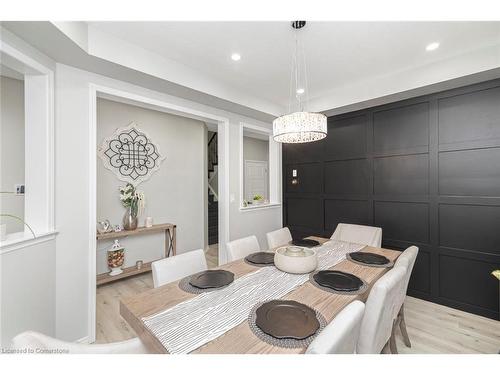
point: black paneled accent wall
(426, 170)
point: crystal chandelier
(299, 126)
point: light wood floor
(432, 328)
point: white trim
(260, 207)
(274, 165)
(44, 214)
(223, 151)
(25, 241)
(92, 212)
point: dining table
(240, 339)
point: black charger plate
(305, 242)
(261, 257)
(287, 320)
(211, 279)
(369, 258)
(338, 280)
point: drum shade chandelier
(299, 126)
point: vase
(129, 220)
(116, 258)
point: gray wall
(173, 194)
(255, 149)
(12, 149)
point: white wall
(27, 272)
(73, 145)
(174, 193)
(11, 150)
(27, 277)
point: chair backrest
(407, 260)
(362, 234)
(278, 237)
(176, 267)
(242, 247)
(45, 344)
(341, 335)
(381, 308)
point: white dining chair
(375, 335)
(178, 266)
(278, 237)
(361, 234)
(242, 247)
(407, 261)
(341, 335)
(41, 343)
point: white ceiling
(339, 54)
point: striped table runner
(195, 322)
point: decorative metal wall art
(130, 154)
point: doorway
(221, 124)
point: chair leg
(402, 326)
(392, 339)
(386, 349)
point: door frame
(100, 91)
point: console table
(170, 249)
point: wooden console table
(170, 249)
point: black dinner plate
(369, 258)
(261, 257)
(305, 242)
(338, 280)
(211, 279)
(287, 320)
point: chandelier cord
(305, 102)
(297, 69)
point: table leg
(170, 245)
(174, 241)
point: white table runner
(192, 323)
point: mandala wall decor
(130, 154)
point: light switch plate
(19, 189)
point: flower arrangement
(133, 199)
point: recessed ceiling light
(236, 57)
(432, 47)
(300, 91)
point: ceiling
(351, 65)
(338, 53)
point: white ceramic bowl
(291, 260)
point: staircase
(213, 186)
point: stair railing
(212, 152)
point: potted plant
(3, 227)
(134, 202)
(258, 199)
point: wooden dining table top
(240, 339)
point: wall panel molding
(427, 171)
